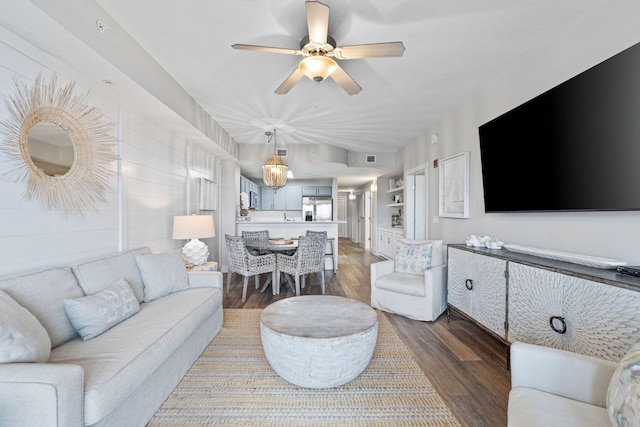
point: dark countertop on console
(608, 276)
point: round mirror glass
(51, 148)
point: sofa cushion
(623, 394)
(22, 337)
(97, 313)
(97, 275)
(413, 258)
(122, 358)
(532, 408)
(402, 283)
(162, 274)
(43, 294)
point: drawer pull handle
(552, 323)
(469, 284)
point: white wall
(149, 190)
(599, 35)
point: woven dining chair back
(242, 262)
(260, 236)
(320, 234)
(309, 258)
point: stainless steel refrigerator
(317, 208)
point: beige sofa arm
(560, 372)
(41, 394)
(201, 279)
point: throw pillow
(162, 274)
(22, 337)
(413, 258)
(623, 394)
(94, 314)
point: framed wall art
(454, 186)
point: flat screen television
(575, 147)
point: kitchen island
(289, 229)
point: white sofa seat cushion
(402, 283)
(122, 358)
(533, 408)
(43, 294)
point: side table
(207, 266)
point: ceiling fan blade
(345, 81)
(269, 49)
(290, 82)
(317, 21)
(373, 50)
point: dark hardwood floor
(466, 365)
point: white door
(420, 209)
(342, 216)
(367, 220)
(416, 209)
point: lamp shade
(317, 67)
(193, 226)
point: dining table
(285, 246)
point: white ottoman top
(319, 316)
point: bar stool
(332, 254)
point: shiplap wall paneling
(36, 239)
(155, 173)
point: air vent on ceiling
(371, 158)
(282, 152)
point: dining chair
(308, 258)
(246, 264)
(331, 241)
(261, 236)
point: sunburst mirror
(57, 144)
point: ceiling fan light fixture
(317, 67)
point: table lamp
(193, 227)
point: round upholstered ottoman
(319, 341)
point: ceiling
(453, 49)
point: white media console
(520, 297)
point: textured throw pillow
(162, 274)
(413, 258)
(623, 395)
(22, 337)
(97, 313)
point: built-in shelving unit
(397, 190)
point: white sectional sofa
(157, 327)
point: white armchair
(551, 387)
(416, 296)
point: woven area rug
(232, 384)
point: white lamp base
(195, 252)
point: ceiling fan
(318, 49)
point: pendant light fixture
(274, 171)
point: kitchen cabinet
(280, 199)
(266, 198)
(294, 198)
(519, 297)
(316, 191)
(288, 198)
